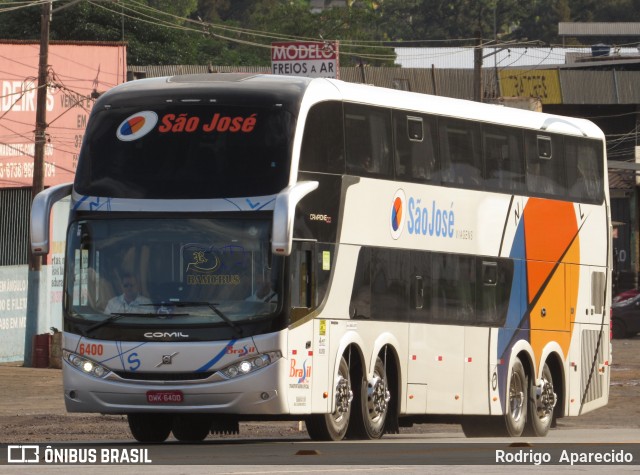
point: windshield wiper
(213, 306)
(113, 317)
(118, 315)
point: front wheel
(542, 401)
(150, 428)
(334, 426)
(191, 427)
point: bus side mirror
(41, 216)
(284, 213)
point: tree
(542, 18)
(239, 32)
(149, 42)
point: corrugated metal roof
(462, 57)
(566, 28)
(577, 86)
(622, 180)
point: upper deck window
(179, 151)
(461, 153)
(415, 147)
(368, 140)
(545, 173)
(323, 142)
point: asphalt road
(32, 412)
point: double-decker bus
(255, 247)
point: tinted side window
(453, 296)
(460, 153)
(494, 282)
(415, 147)
(503, 159)
(389, 289)
(584, 169)
(368, 140)
(360, 306)
(323, 140)
(545, 170)
(420, 285)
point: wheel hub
(378, 396)
(546, 399)
(516, 397)
(344, 395)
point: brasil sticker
(137, 125)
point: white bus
(273, 248)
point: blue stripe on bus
(216, 358)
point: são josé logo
(397, 212)
(137, 125)
(426, 219)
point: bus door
(309, 271)
(300, 356)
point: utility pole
(477, 68)
(35, 262)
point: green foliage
(239, 32)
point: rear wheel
(542, 401)
(516, 411)
(372, 405)
(512, 424)
(377, 401)
(191, 427)
(334, 426)
(483, 426)
(150, 428)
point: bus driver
(129, 300)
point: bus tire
(515, 416)
(372, 404)
(150, 428)
(542, 401)
(191, 427)
(334, 426)
(482, 426)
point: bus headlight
(251, 364)
(85, 365)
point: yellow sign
(539, 84)
(323, 327)
(326, 260)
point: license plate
(164, 397)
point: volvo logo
(166, 359)
(165, 335)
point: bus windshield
(185, 151)
(170, 271)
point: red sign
(76, 73)
(165, 397)
(305, 58)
